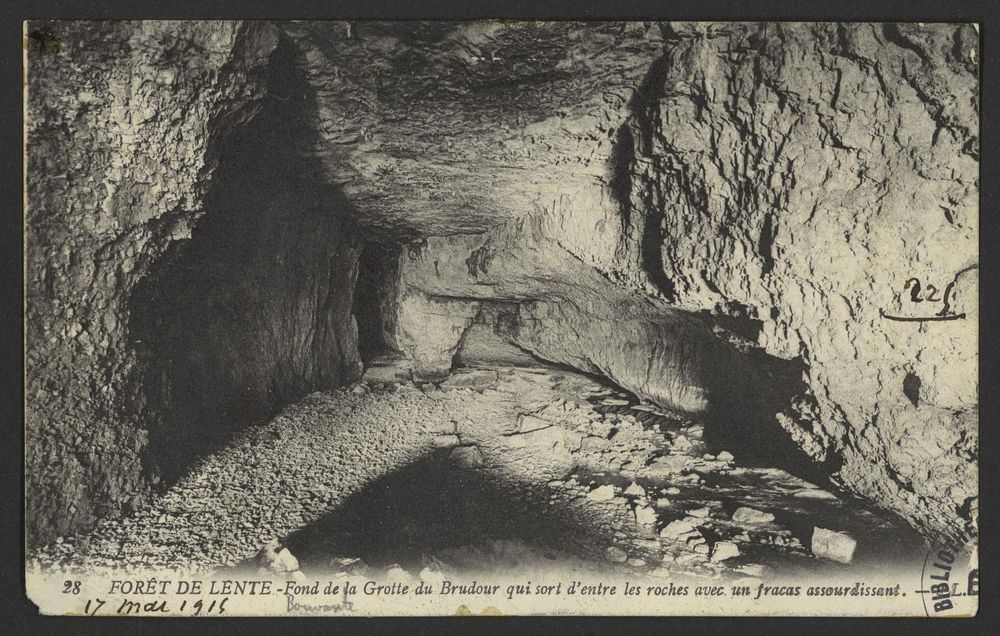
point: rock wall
(177, 279)
(801, 176)
(783, 187)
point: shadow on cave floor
(434, 512)
(508, 515)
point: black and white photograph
(501, 317)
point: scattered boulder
(614, 402)
(284, 561)
(701, 513)
(396, 574)
(815, 493)
(445, 441)
(755, 570)
(470, 379)
(645, 516)
(724, 550)
(667, 465)
(833, 545)
(428, 388)
(268, 553)
(662, 502)
(646, 544)
(389, 373)
(725, 456)
(602, 493)
(274, 558)
(634, 490)
(468, 456)
(752, 516)
(682, 443)
(615, 554)
(677, 529)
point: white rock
(468, 456)
(614, 402)
(602, 493)
(676, 529)
(833, 545)
(615, 554)
(593, 443)
(700, 513)
(725, 456)
(645, 516)
(284, 561)
(635, 490)
(724, 550)
(268, 553)
(396, 574)
(682, 443)
(755, 570)
(752, 516)
(815, 493)
(445, 441)
(470, 378)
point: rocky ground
(487, 470)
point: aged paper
(501, 317)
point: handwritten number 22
(913, 285)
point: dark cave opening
(254, 310)
(374, 299)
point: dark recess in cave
(748, 390)
(378, 275)
(251, 312)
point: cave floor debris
(488, 470)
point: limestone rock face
(174, 285)
(774, 193)
(807, 180)
(444, 127)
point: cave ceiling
(445, 128)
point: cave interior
(502, 220)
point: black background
(19, 616)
